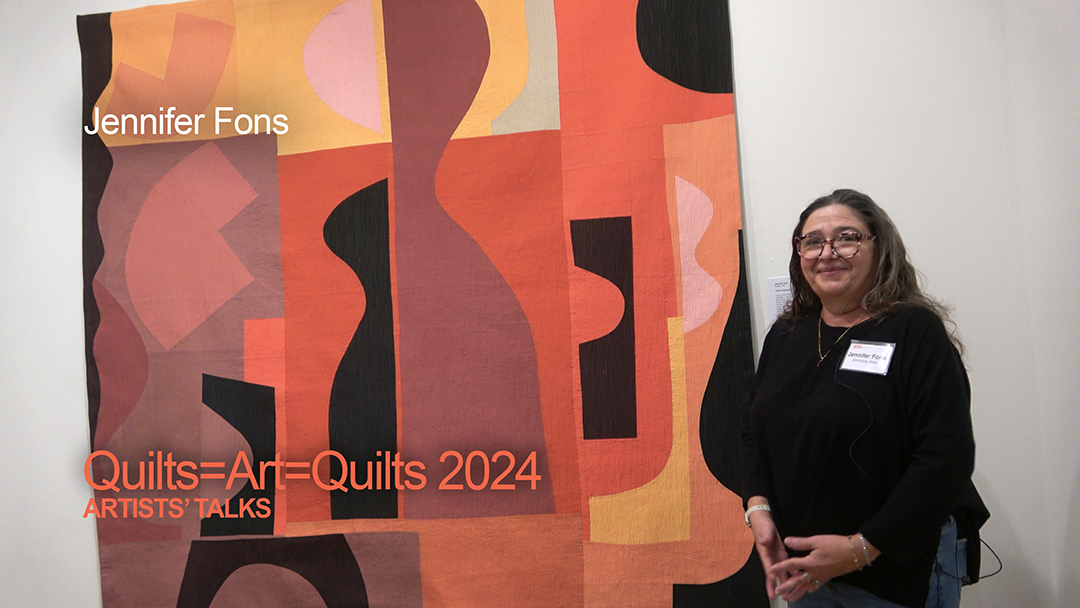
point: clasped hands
(827, 557)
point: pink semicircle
(701, 292)
(341, 65)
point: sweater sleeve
(936, 399)
(753, 455)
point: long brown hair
(896, 282)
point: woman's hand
(830, 556)
(769, 547)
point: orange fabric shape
(506, 192)
(604, 85)
(200, 48)
(324, 301)
(613, 111)
(705, 154)
(523, 561)
(264, 363)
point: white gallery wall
(960, 117)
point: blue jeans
(951, 565)
(838, 595)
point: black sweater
(842, 452)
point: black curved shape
(363, 399)
(326, 562)
(95, 41)
(249, 408)
(608, 364)
(727, 395)
(687, 41)
(744, 589)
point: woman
(858, 442)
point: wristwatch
(761, 507)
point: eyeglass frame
(797, 241)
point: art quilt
(403, 303)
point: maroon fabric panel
(468, 361)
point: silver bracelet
(865, 551)
(854, 557)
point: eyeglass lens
(844, 245)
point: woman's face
(839, 283)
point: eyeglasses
(844, 245)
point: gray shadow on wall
(1070, 575)
(1017, 584)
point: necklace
(821, 357)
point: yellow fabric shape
(508, 66)
(658, 511)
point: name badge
(868, 357)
